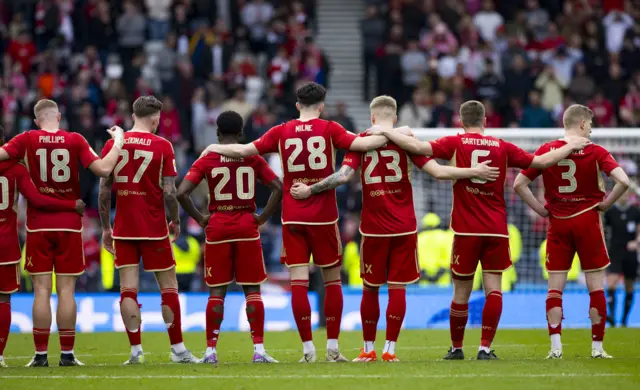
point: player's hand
(632, 246)
(209, 149)
(406, 130)
(300, 191)
(174, 230)
(80, 207)
(603, 207)
(377, 130)
(107, 241)
(204, 221)
(117, 134)
(577, 143)
(544, 214)
(486, 172)
(261, 221)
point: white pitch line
(339, 376)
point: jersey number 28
(317, 157)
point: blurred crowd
(525, 59)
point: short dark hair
(145, 106)
(310, 94)
(230, 122)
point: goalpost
(436, 196)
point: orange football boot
(387, 357)
(366, 356)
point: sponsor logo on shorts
(131, 193)
(30, 261)
(208, 272)
(455, 259)
(368, 268)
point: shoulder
(162, 142)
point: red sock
(170, 299)
(301, 308)
(135, 338)
(599, 303)
(255, 316)
(458, 316)
(395, 311)
(67, 339)
(554, 299)
(369, 312)
(41, 339)
(491, 317)
(5, 324)
(214, 317)
(333, 307)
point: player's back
(387, 194)
(479, 207)
(308, 156)
(144, 160)
(53, 161)
(232, 183)
(9, 172)
(575, 184)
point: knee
(331, 274)
(42, 287)
(5, 298)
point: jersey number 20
(242, 192)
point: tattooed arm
(104, 205)
(303, 191)
(171, 201)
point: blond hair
(575, 114)
(43, 105)
(384, 106)
(472, 114)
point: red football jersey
(575, 184)
(307, 151)
(387, 195)
(144, 160)
(479, 208)
(52, 159)
(232, 183)
(14, 178)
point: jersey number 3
(568, 175)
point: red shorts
(242, 260)
(392, 260)
(59, 251)
(583, 234)
(299, 242)
(157, 255)
(492, 253)
(9, 278)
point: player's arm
(104, 209)
(171, 201)
(621, 186)
(4, 155)
(232, 150)
(408, 143)
(521, 187)
(184, 198)
(104, 166)
(446, 172)
(553, 156)
(274, 200)
(335, 180)
(39, 201)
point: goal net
(433, 196)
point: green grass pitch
(522, 364)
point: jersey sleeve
(352, 160)
(419, 160)
(34, 197)
(107, 148)
(533, 173)
(517, 157)
(196, 172)
(268, 143)
(85, 152)
(265, 173)
(606, 162)
(17, 147)
(169, 167)
(444, 147)
(341, 138)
